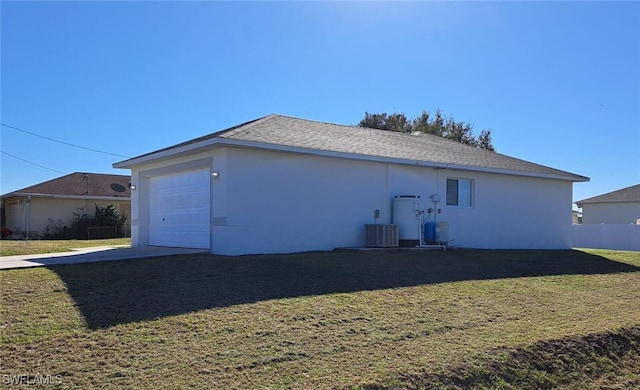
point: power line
(63, 142)
(32, 163)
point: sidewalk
(93, 254)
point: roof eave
(166, 154)
(582, 202)
(60, 196)
(219, 141)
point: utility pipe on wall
(27, 216)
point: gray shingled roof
(80, 184)
(628, 194)
(307, 135)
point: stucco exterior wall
(15, 214)
(282, 202)
(507, 211)
(613, 213)
(279, 202)
(276, 202)
(514, 213)
(34, 214)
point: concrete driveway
(88, 255)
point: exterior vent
(380, 235)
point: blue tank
(430, 232)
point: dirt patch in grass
(609, 360)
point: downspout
(389, 196)
(86, 200)
(27, 216)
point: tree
(394, 122)
(426, 123)
(484, 140)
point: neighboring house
(576, 217)
(281, 184)
(616, 207)
(28, 211)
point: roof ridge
(321, 122)
(386, 131)
(42, 183)
(243, 126)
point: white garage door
(179, 207)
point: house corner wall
(135, 209)
(218, 209)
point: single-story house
(28, 211)
(576, 217)
(281, 184)
(616, 207)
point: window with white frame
(460, 192)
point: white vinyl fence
(607, 236)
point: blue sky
(557, 83)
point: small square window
(460, 192)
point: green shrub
(81, 223)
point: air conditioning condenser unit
(381, 235)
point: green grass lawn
(30, 247)
(382, 320)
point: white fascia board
(218, 141)
(57, 196)
(609, 202)
(166, 154)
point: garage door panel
(179, 209)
